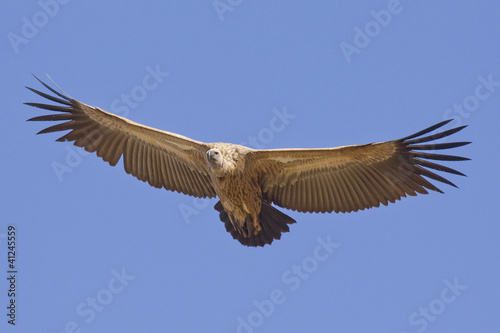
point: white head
(215, 160)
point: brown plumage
(248, 181)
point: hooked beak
(209, 155)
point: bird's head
(214, 159)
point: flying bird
(249, 181)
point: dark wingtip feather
(53, 90)
(438, 167)
(440, 157)
(436, 136)
(427, 130)
(419, 155)
(438, 146)
(432, 175)
(49, 97)
(58, 127)
(53, 117)
(51, 107)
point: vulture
(249, 181)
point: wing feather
(353, 178)
(369, 194)
(160, 158)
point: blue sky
(99, 251)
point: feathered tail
(272, 221)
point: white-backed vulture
(248, 181)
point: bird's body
(237, 187)
(249, 181)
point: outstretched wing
(163, 159)
(351, 178)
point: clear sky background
(99, 251)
